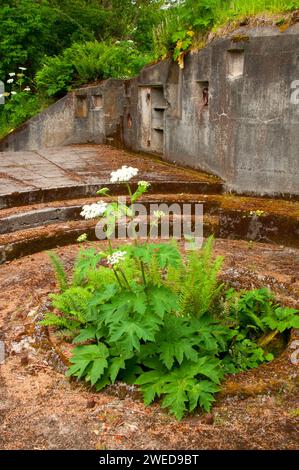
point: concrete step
(23, 198)
(29, 241)
(25, 217)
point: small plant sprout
(257, 213)
(103, 192)
(82, 238)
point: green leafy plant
(148, 314)
(90, 61)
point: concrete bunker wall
(229, 112)
(87, 115)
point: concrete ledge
(23, 198)
(51, 215)
(45, 238)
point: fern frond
(99, 279)
(59, 270)
(74, 302)
(174, 278)
(60, 322)
(199, 283)
(155, 271)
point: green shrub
(17, 110)
(201, 16)
(89, 61)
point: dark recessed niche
(203, 93)
(81, 106)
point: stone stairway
(45, 211)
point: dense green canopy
(49, 46)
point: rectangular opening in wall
(203, 94)
(235, 62)
(81, 106)
(152, 107)
(157, 142)
(158, 119)
(158, 100)
(97, 102)
(159, 105)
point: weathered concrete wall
(87, 115)
(247, 132)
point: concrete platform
(77, 171)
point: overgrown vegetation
(148, 314)
(90, 61)
(63, 44)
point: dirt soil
(41, 409)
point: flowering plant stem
(117, 278)
(125, 279)
(143, 272)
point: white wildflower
(12, 74)
(116, 257)
(22, 68)
(10, 80)
(93, 211)
(125, 173)
(27, 88)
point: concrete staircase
(38, 218)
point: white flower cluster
(93, 211)
(116, 257)
(125, 173)
(145, 184)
